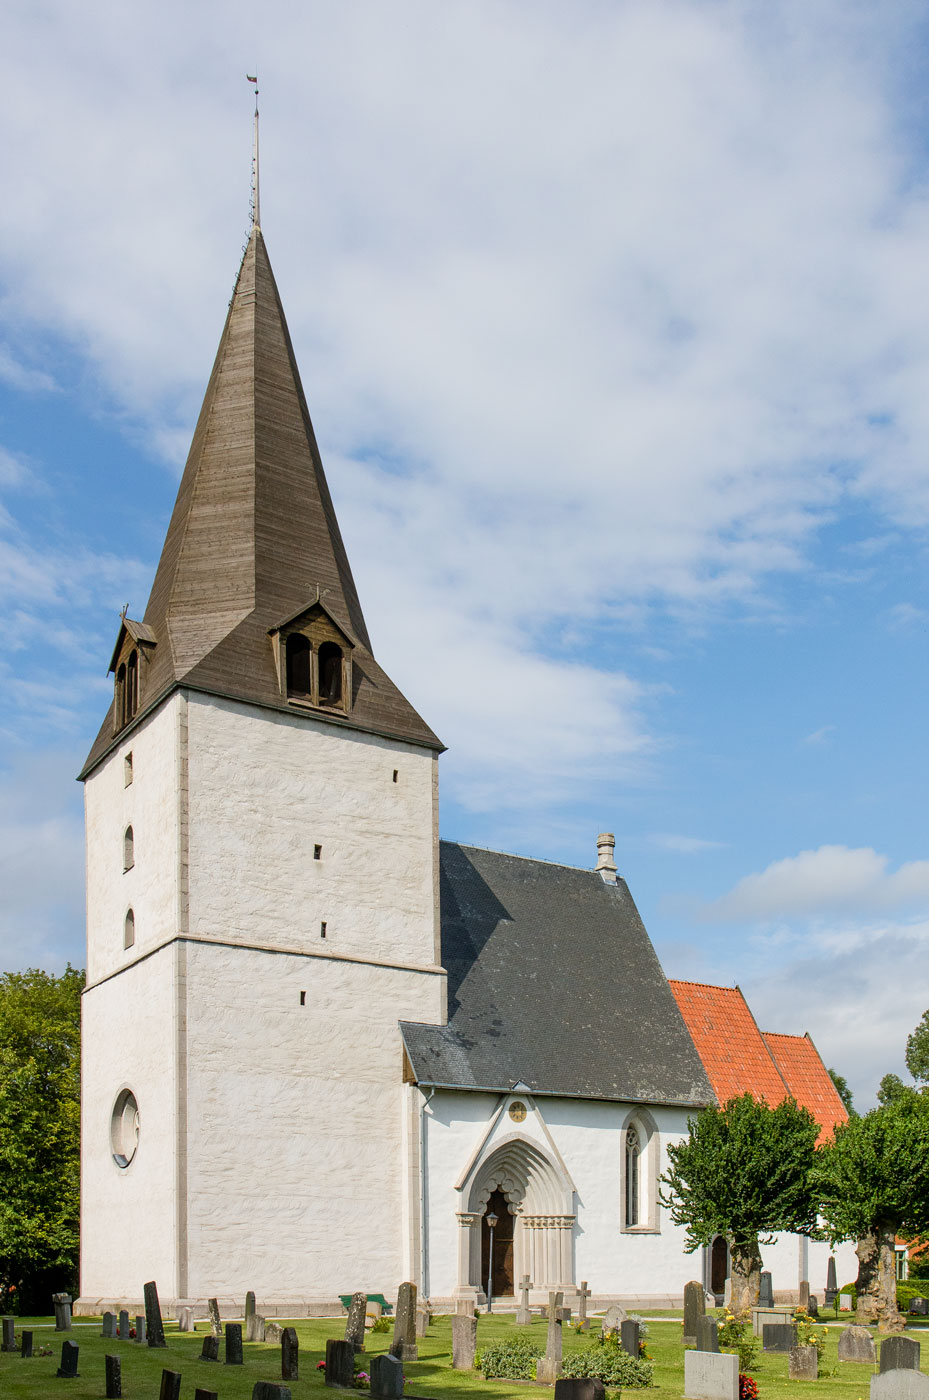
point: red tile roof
(807, 1079)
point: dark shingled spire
(254, 535)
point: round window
(124, 1128)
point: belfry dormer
(131, 655)
(313, 658)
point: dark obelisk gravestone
(899, 1354)
(233, 1344)
(270, 1390)
(154, 1327)
(9, 1334)
(586, 1389)
(25, 1349)
(464, 1342)
(548, 1367)
(210, 1349)
(216, 1324)
(832, 1286)
(355, 1324)
(114, 1377)
(170, 1386)
(340, 1363)
(123, 1325)
(707, 1334)
(109, 1326)
(766, 1292)
(290, 1355)
(694, 1307)
(629, 1337)
(386, 1378)
(403, 1346)
(62, 1302)
(68, 1368)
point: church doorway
(719, 1266)
(502, 1283)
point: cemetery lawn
(430, 1376)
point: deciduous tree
(917, 1051)
(842, 1089)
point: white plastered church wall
(788, 1255)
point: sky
(613, 321)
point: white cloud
(819, 736)
(684, 845)
(815, 882)
(24, 377)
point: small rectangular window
(317, 852)
(322, 930)
(127, 770)
(396, 774)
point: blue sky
(613, 324)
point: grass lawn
(431, 1375)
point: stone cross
(403, 1346)
(523, 1315)
(802, 1364)
(899, 1354)
(386, 1378)
(707, 1334)
(114, 1377)
(355, 1326)
(210, 1348)
(62, 1302)
(290, 1355)
(233, 1344)
(583, 1295)
(140, 1329)
(154, 1327)
(123, 1325)
(832, 1283)
(629, 1337)
(109, 1326)
(25, 1349)
(68, 1368)
(170, 1386)
(216, 1322)
(9, 1334)
(694, 1307)
(340, 1363)
(464, 1341)
(766, 1293)
(548, 1367)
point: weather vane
(256, 202)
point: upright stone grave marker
(612, 1318)
(216, 1322)
(919, 1307)
(629, 1337)
(355, 1324)
(9, 1334)
(233, 1344)
(123, 1325)
(114, 1377)
(587, 1389)
(802, 1364)
(899, 1354)
(170, 1386)
(386, 1378)
(25, 1348)
(711, 1375)
(201, 1394)
(694, 1307)
(900, 1385)
(832, 1285)
(109, 1326)
(185, 1320)
(273, 1332)
(249, 1309)
(707, 1334)
(270, 1390)
(857, 1344)
(62, 1302)
(403, 1346)
(583, 1295)
(372, 1313)
(140, 1329)
(804, 1299)
(290, 1355)
(210, 1349)
(812, 1306)
(340, 1363)
(523, 1315)
(68, 1369)
(464, 1342)
(548, 1367)
(423, 1319)
(766, 1292)
(154, 1327)
(778, 1337)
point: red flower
(320, 1365)
(748, 1388)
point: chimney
(606, 865)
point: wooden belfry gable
(313, 659)
(128, 666)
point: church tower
(262, 910)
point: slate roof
(254, 535)
(552, 983)
(808, 1079)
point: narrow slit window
(330, 674)
(317, 852)
(128, 849)
(121, 695)
(322, 930)
(132, 685)
(633, 1153)
(303, 998)
(129, 929)
(298, 666)
(396, 774)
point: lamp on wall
(491, 1225)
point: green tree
(744, 1172)
(842, 1089)
(40, 1019)
(872, 1180)
(917, 1051)
(892, 1087)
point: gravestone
(9, 1334)
(587, 1389)
(170, 1386)
(707, 1334)
(857, 1344)
(812, 1306)
(355, 1325)
(62, 1303)
(629, 1337)
(25, 1346)
(423, 1319)
(523, 1315)
(123, 1325)
(340, 1363)
(612, 1318)
(802, 1364)
(766, 1292)
(290, 1355)
(778, 1337)
(249, 1309)
(727, 1293)
(372, 1313)
(386, 1378)
(154, 1327)
(270, 1390)
(711, 1375)
(257, 1328)
(694, 1307)
(68, 1369)
(114, 1377)
(216, 1322)
(899, 1354)
(919, 1307)
(140, 1329)
(201, 1394)
(548, 1367)
(762, 1316)
(900, 1385)
(804, 1299)
(403, 1346)
(210, 1349)
(464, 1342)
(832, 1284)
(273, 1332)
(109, 1326)
(233, 1355)
(185, 1320)
(583, 1295)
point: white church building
(320, 1046)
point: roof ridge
(514, 855)
(712, 986)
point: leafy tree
(40, 1019)
(873, 1183)
(743, 1172)
(892, 1087)
(842, 1089)
(917, 1051)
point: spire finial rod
(256, 198)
